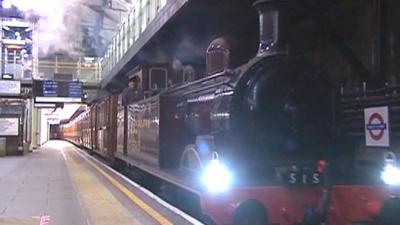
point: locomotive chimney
(272, 27)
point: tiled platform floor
(58, 182)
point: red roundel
(373, 126)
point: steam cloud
(58, 21)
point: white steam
(59, 29)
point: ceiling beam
(107, 28)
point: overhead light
(88, 59)
(17, 35)
(14, 47)
(6, 4)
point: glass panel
(144, 14)
(163, 3)
(110, 54)
(113, 52)
(138, 21)
(132, 27)
(158, 78)
(188, 74)
(118, 47)
(158, 5)
(109, 61)
(127, 32)
(126, 35)
(152, 10)
(121, 42)
(103, 63)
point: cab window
(158, 78)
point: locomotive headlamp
(216, 177)
(391, 175)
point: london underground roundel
(377, 126)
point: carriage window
(158, 78)
(188, 74)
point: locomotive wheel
(250, 213)
(207, 220)
(190, 159)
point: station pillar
(35, 132)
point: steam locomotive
(257, 143)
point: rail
(85, 71)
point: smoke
(190, 49)
(58, 24)
(177, 64)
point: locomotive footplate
(176, 177)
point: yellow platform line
(19, 222)
(100, 204)
(136, 200)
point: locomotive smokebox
(273, 27)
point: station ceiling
(98, 20)
(101, 21)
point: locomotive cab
(153, 79)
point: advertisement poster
(9, 126)
(10, 87)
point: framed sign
(377, 132)
(7, 76)
(57, 91)
(9, 126)
(45, 105)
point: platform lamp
(6, 4)
(85, 96)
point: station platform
(62, 185)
